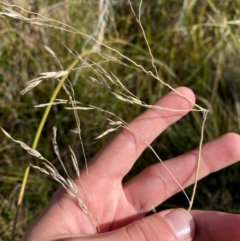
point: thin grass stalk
(121, 97)
(198, 161)
(36, 139)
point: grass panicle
(104, 79)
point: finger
(174, 225)
(216, 226)
(154, 184)
(119, 155)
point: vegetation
(194, 43)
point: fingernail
(181, 222)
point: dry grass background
(195, 43)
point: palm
(108, 203)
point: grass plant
(126, 60)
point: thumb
(169, 225)
(173, 224)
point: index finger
(216, 226)
(121, 152)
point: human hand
(121, 208)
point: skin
(120, 209)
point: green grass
(194, 46)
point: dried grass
(101, 77)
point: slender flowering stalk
(106, 80)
